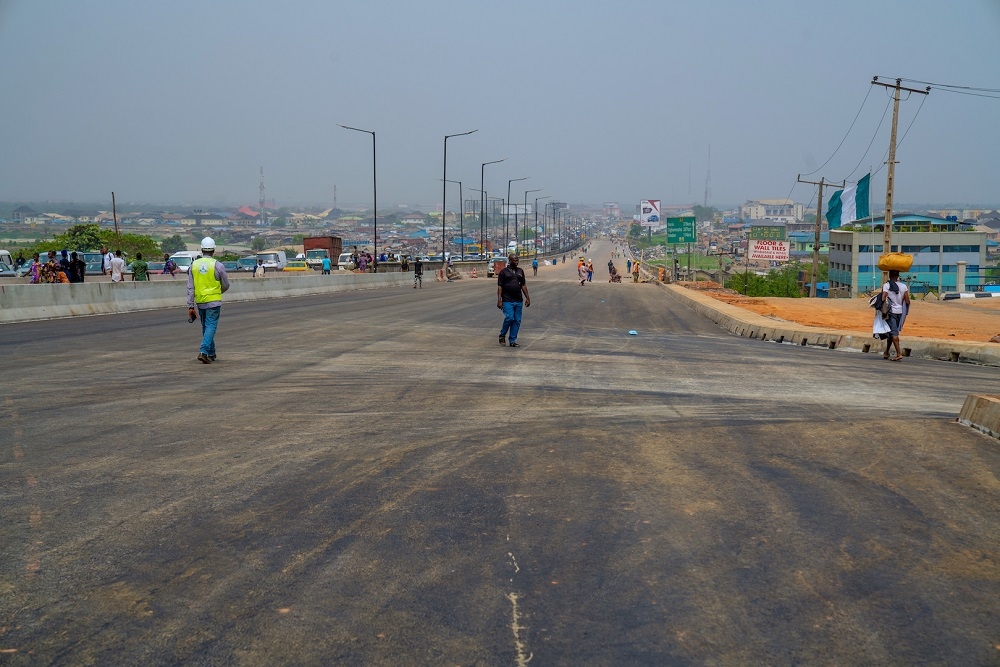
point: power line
(912, 120)
(948, 85)
(870, 143)
(845, 136)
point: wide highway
(368, 478)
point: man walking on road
(898, 296)
(418, 273)
(510, 286)
(534, 267)
(207, 280)
(117, 267)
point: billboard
(770, 232)
(769, 250)
(649, 212)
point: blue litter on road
(633, 333)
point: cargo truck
(319, 248)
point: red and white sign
(770, 250)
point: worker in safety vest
(207, 280)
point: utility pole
(819, 221)
(890, 178)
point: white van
(274, 260)
(344, 262)
(184, 259)
(5, 258)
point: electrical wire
(870, 143)
(900, 142)
(948, 85)
(845, 136)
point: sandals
(896, 359)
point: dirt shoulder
(975, 320)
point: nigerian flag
(849, 204)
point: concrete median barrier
(751, 325)
(21, 303)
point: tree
(279, 222)
(635, 230)
(298, 238)
(173, 244)
(80, 237)
(258, 243)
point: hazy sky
(183, 101)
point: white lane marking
(520, 659)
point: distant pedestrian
(117, 267)
(404, 264)
(326, 266)
(590, 270)
(77, 269)
(363, 263)
(169, 266)
(581, 270)
(898, 295)
(106, 257)
(611, 267)
(48, 270)
(140, 269)
(19, 260)
(511, 285)
(635, 271)
(418, 273)
(534, 267)
(207, 280)
(259, 270)
(35, 271)
(64, 261)
(628, 266)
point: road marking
(515, 625)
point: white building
(775, 210)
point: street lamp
(506, 218)
(536, 222)
(374, 194)
(444, 184)
(461, 218)
(525, 212)
(482, 205)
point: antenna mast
(708, 177)
(263, 212)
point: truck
(319, 248)
(274, 260)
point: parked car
(25, 268)
(296, 265)
(231, 266)
(7, 271)
(155, 267)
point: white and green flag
(849, 204)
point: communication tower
(263, 203)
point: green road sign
(768, 232)
(681, 230)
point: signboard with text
(767, 249)
(681, 230)
(772, 232)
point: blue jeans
(511, 319)
(209, 323)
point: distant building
(776, 210)
(22, 213)
(936, 244)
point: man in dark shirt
(77, 269)
(418, 273)
(510, 287)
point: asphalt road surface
(368, 478)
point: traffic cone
(474, 272)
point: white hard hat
(207, 243)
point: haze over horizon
(184, 102)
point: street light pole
(482, 206)
(525, 212)
(536, 222)
(506, 218)
(444, 186)
(374, 194)
(461, 218)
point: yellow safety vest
(207, 287)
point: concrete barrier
(20, 303)
(751, 325)
(982, 412)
